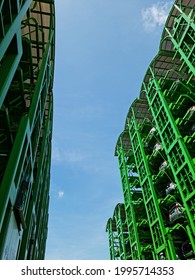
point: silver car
(163, 165)
(152, 130)
(157, 147)
(176, 212)
(170, 188)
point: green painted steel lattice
(156, 150)
(26, 113)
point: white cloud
(60, 194)
(72, 156)
(155, 15)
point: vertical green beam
(121, 224)
(8, 185)
(131, 223)
(24, 129)
(110, 238)
(168, 148)
(43, 210)
(175, 130)
(156, 224)
(11, 60)
(119, 232)
(22, 254)
(36, 101)
(9, 65)
(45, 172)
(44, 149)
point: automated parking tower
(26, 106)
(156, 153)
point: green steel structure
(156, 153)
(26, 106)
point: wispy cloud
(155, 15)
(60, 194)
(67, 156)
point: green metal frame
(113, 239)
(27, 42)
(165, 104)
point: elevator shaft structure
(156, 151)
(27, 42)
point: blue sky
(103, 49)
